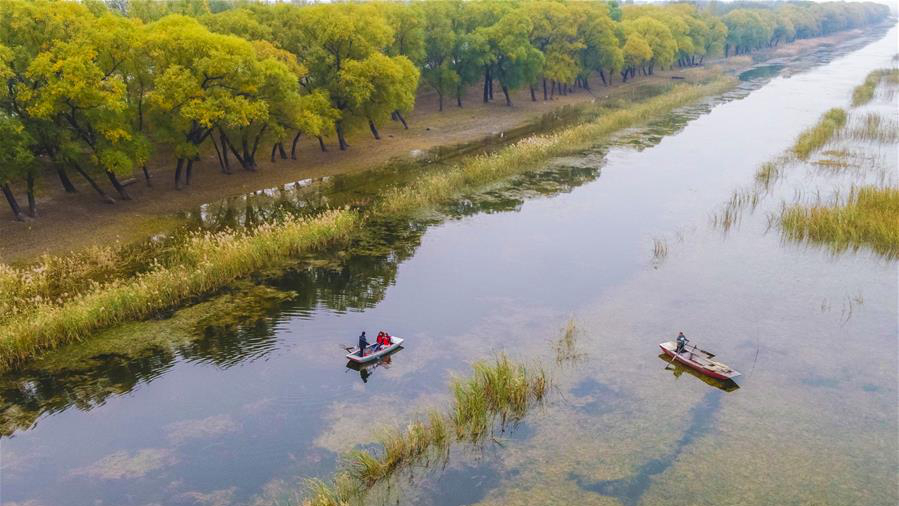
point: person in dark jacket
(681, 342)
(363, 344)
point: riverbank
(41, 313)
(72, 222)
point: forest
(94, 89)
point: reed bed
(566, 347)
(209, 262)
(863, 93)
(524, 155)
(817, 136)
(868, 218)
(496, 394)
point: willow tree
(658, 37)
(636, 53)
(440, 39)
(507, 49)
(85, 95)
(201, 79)
(600, 51)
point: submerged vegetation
(524, 155)
(817, 136)
(42, 307)
(868, 217)
(208, 262)
(497, 393)
(863, 93)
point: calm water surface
(234, 401)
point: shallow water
(235, 400)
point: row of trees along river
(93, 89)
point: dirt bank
(73, 221)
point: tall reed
(817, 136)
(869, 217)
(209, 261)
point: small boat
(699, 360)
(353, 355)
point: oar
(347, 348)
(672, 359)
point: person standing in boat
(363, 344)
(681, 342)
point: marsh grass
(497, 393)
(875, 128)
(209, 262)
(863, 93)
(566, 346)
(481, 170)
(869, 217)
(817, 136)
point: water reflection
(368, 369)
(631, 489)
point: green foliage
(99, 86)
(863, 93)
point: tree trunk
(486, 84)
(274, 150)
(341, 138)
(399, 116)
(459, 96)
(224, 162)
(178, 168)
(146, 175)
(13, 204)
(32, 205)
(281, 151)
(293, 146)
(490, 87)
(585, 83)
(440, 102)
(506, 93)
(188, 171)
(545, 92)
(106, 198)
(64, 179)
(374, 130)
(533, 94)
(321, 144)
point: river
(236, 400)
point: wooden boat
(369, 356)
(699, 360)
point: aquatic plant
(566, 347)
(209, 261)
(499, 390)
(876, 128)
(863, 93)
(817, 136)
(525, 154)
(868, 218)
(659, 249)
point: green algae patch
(125, 465)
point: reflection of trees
(27, 394)
(239, 325)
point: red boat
(700, 360)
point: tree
(202, 78)
(440, 41)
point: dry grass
(208, 262)
(868, 218)
(566, 347)
(817, 136)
